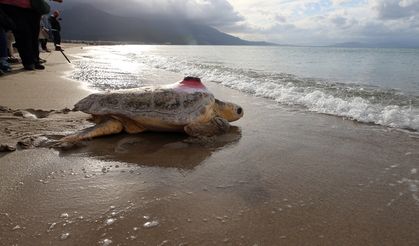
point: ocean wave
(363, 103)
(101, 75)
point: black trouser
(26, 32)
(57, 38)
(3, 43)
(43, 43)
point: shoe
(42, 61)
(58, 48)
(5, 68)
(39, 66)
(4, 65)
(12, 60)
(29, 67)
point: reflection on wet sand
(157, 149)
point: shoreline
(278, 176)
(43, 89)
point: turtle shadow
(168, 150)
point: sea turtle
(186, 106)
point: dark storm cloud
(211, 12)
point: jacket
(26, 4)
(54, 23)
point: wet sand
(279, 177)
(46, 89)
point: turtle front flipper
(214, 127)
(108, 127)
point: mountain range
(85, 22)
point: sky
(296, 22)
(323, 22)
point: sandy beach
(280, 176)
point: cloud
(340, 2)
(393, 9)
(322, 22)
(408, 3)
(303, 22)
(210, 12)
(339, 21)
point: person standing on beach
(55, 29)
(26, 31)
(43, 36)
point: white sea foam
(64, 236)
(151, 224)
(64, 215)
(288, 89)
(105, 242)
(110, 221)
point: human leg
(57, 40)
(3, 43)
(34, 35)
(10, 49)
(43, 43)
(22, 32)
(4, 65)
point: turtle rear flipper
(214, 127)
(108, 127)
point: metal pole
(62, 52)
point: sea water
(378, 86)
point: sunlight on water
(112, 68)
(123, 63)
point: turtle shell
(179, 103)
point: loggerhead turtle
(186, 106)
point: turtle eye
(239, 110)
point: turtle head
(228, 111)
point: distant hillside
(84, 22)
